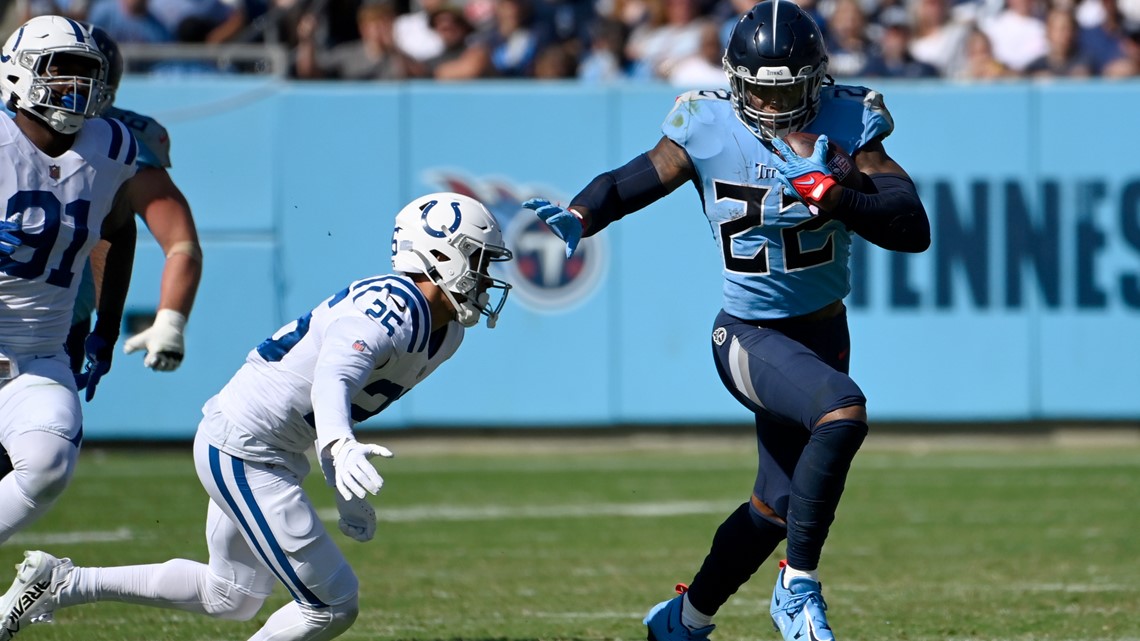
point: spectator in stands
(1017, 34)
(1065, 57)
(75, 9)
(566, 22)
(1102, 36)
(672, 34)
(171, 13)
(239, 25)
(631, 13)
(555, 62)
(938, 40)
(735, 9)
(129, 21)
(846, 37)
(414, 33)
(373, 57)
(510, 42)
(191, 31)
(1128, 65)
(980, 61)
(458, 60)
(892, 59)
(605, 61)
(705, 68)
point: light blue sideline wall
(1026, 307)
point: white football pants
(260, 527)
(41, 428)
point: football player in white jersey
(310, 382)
(61, 178)
(784, 225)
(166, 213)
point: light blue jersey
(779, 260)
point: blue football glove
(809, 178)
(8, 240)
(564, 223)
(98, 352)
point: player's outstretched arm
(888, 212)
(614, 194)
(119, 230)
(166, 212)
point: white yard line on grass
(494, 512)
(68, 538)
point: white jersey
(61, 204)
(316, 377)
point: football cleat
(29, 600)
(798, 610)
(664, 621)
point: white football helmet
(453, 239)
(51, 67)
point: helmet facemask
(64, 102)
(470, 291)
(795, 97)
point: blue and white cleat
(664, 621)
(798, 610)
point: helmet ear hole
(440, 256)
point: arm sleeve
(892, 216)
(350, 350)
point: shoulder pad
(121, 145)
(699, 121)
(398, 305)
(852, 116)
(154, 140)
(705, 94)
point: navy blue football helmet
(776, 63)
(110, 51)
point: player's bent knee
(344, 615)
(225, 601)
(239, 607)
(849, 413)
(43, 473)
(763, 515)
(331, 621)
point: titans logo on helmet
(544, 279)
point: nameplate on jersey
(8, 369)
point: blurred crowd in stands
(600, 41)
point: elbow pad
(612, 195)
(891, 217)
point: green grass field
(1025, 541)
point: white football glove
(162, 341)
(357, 518)
(355, 475)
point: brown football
(841, 164)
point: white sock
(792, 573)
(693, 618)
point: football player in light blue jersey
(781, 345)
(166, 212)
(310, 383)
(62, 175)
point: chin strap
(462, 314)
